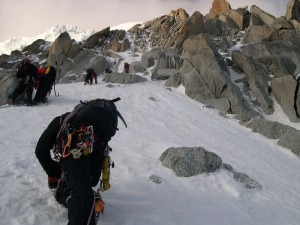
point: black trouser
(23, 87)
(41, 93)
(80, 200)
(88, 79)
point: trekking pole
(56, 95)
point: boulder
(246, 180)
(7, 86)
(220, 7)
(278, 66)
(136, 67)
(282, 24)
(61, 46)
(262, 33)
(123, 78)
(205, 76)
(164, 74)
(228, 22)
(193, 25)
(16, 55)
(167, 64)
(171, 30)
(115, 46)
(284, 89)
(35, 48)
(217, 27)
(286, 136)
(58, 52)
(64, 69)
(291, 140)
(180, 14)
(261, 15)
(257, 78)
(84, 60)
(9, 63)
(187, 162)
(243, 178)
(255, 20)
(241, 17)
(222, 104)
(166, 29)
(125, 45)
(149, 57)
(74, 50)
(281, 49)
(296, 24)
(155, 179)
(174, 80)
(293, 10)
(97, 39)
(202, 70)
(270, 129)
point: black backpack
(52, 74)
(102, 114)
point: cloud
(19, 18)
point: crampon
(99, 206)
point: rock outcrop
(205, 77)
(220, 7)
(285, 135)
(192, 161)
(293, 10)
(187, 162)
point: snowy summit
(18, 43)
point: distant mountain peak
(18, 43)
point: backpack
(95, 119)
(49, 72)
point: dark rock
(186, 162)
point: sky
(19, 18)
(158, 118)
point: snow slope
(167, 119)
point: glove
(52, 182)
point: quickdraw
(84, 139)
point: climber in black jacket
(27, 73)
(89, 128)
